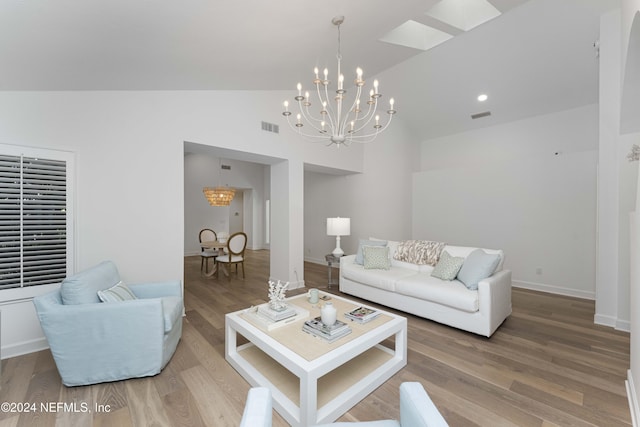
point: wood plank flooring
(547, 365)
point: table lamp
(338, 227)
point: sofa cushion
(450, 293)
(477, 266)
(172, 310)
(383, 279)
(363, 242)
(376, 257)
(448, 266)
(407, 265)
(83, 287)
(419, 251)
(119, 292)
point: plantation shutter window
(34, 220)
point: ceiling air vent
(270, 127)
(481, 115)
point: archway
(630, 108)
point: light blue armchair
(93, 341)
(416, 410)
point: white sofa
(411, 288)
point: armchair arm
(171, 288)
(417, 409)
(257, 410)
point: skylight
(416, 35)
(461, 14)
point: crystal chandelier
(221, 195)
(338, 120)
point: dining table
(217, 245)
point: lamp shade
(338, 226)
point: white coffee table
(313, 381)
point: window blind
(33, 221)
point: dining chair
(236, 245)
(207, 235)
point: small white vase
(328, 314)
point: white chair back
(237, 243)
(207, 235)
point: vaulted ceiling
(537, 57)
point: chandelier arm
(308, 117)
(347, 118)
(365, 120)
(374, 134)
(310, 137)
(329, 107)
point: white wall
(378, 200)
(129, 169)
(527, 187)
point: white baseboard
(25, 347)
(623, 325)
(551, 289)
(601, 319)
(633, 399)
(316, 260)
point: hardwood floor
(547, 365)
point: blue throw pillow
(477, 266)
(363, 242)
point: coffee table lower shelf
(337, 391)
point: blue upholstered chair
(416, 410)
(134, 335)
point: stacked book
(362, 314)
(329, 333)
(276, 315)
(268, 319)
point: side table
(331, 259)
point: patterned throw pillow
(419, 252)
(359, 255)
(376, 257)
(448, 266)
(118, 292)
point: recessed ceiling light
(483, 97)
